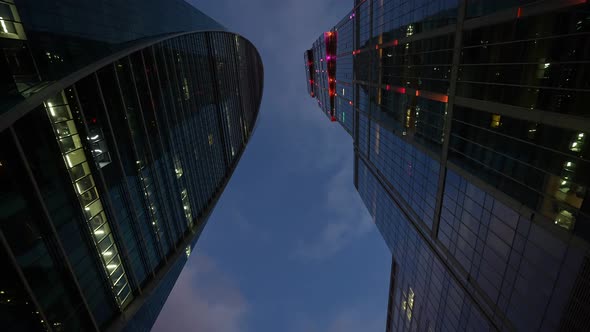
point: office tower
(121, 123)
(470, 124)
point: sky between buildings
(290, 246)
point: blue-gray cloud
(347, 221)
(204, 299)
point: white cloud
(204, 299)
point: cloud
(348, 219)
(204, 299)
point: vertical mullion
(53, 234)
(158, 141)
(106, 203)
(137, 157)
(168, 140)
(151, 169)
(23, 280)
(125, 185)
(199, 133)
(182, 114)
(449, 116)
(216, 93)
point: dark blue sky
(290, 246)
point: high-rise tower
(470, 125)
(121, 122)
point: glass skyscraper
(121, 123)
(470, 124)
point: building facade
(470, 126)
(120, 126)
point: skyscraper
(470, 126)
(121, 123)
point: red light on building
(417, 93)
(333, 118)
(395, 42)
(518, 12)
(376, 47)
(400, 90)
(350, 103)
(388, 87)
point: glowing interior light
(78, 187)
(111, 266)
(69, 161)
(3, 25)
(48, 103)
(417, 93)
(94, 137)
(107, 253)
(546, 65)
(99, 232)
(563, 183)
(569, 164)
(574, 144)
(98, 150)
(581, 135)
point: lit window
(408, 303)
(496, 121)
(576, 144)
(210, 139)
(185, 89)
(565, 219)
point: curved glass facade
(470, 135)
(44, 40)
(109, 174)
